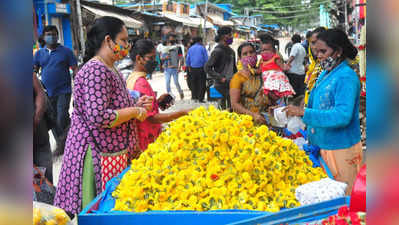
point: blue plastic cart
(99, 212)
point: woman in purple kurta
(103, 109)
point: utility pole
(206, 16)
(82, 40)
(346, 17)
(357, 16)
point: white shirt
(299, 54)
(160, 47)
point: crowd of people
(114, 120)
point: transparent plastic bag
(295, 124)
(44, 214)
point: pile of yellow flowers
(212, 160)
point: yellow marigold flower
(51, 222)
(214, 159)
(37, 216)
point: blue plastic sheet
(314, 154)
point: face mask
(120, 51)
(229, 41)
(249, 61)
(266, 56)
(50, 39)
(328, 63)
(150, 66)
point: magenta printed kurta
(97, 93)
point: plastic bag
(300, 142)
(44, 214)
(280, 117)
(295, 124)
(320, 191)
(43, 189)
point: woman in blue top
(332, 114)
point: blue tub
(213, 93)
(99, 212)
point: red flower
(343, 211)
(332, 219)
(361, 47)
(250, 135)
(324, 222)
(354, 218)
(363, 94)
(341, 222)
(214, 177)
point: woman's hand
(145, 102)
(291, 110)
(141, 114)
(186, 111)
(258, 118)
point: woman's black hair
(245, 44)
(336, 39)
(318, 30)
(141, 47)
(102, 27)
(223, 31)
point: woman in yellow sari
(314, 68)
(246, 87)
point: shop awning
(219, 21)
(237, 22)
(129, 21)
(188, 21)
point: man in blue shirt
(55, 61)
(197, 56)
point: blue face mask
(50, 39)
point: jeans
(61, 104)
(172, 72)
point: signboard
(61, 8)
(58, 8)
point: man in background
(296, 73)
(172, 56)
(55, 60)
(197, 56)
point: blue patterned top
(332, 114)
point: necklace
(113, 69)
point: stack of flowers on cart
(345, 217)
(213, 159)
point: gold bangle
(141, 112)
